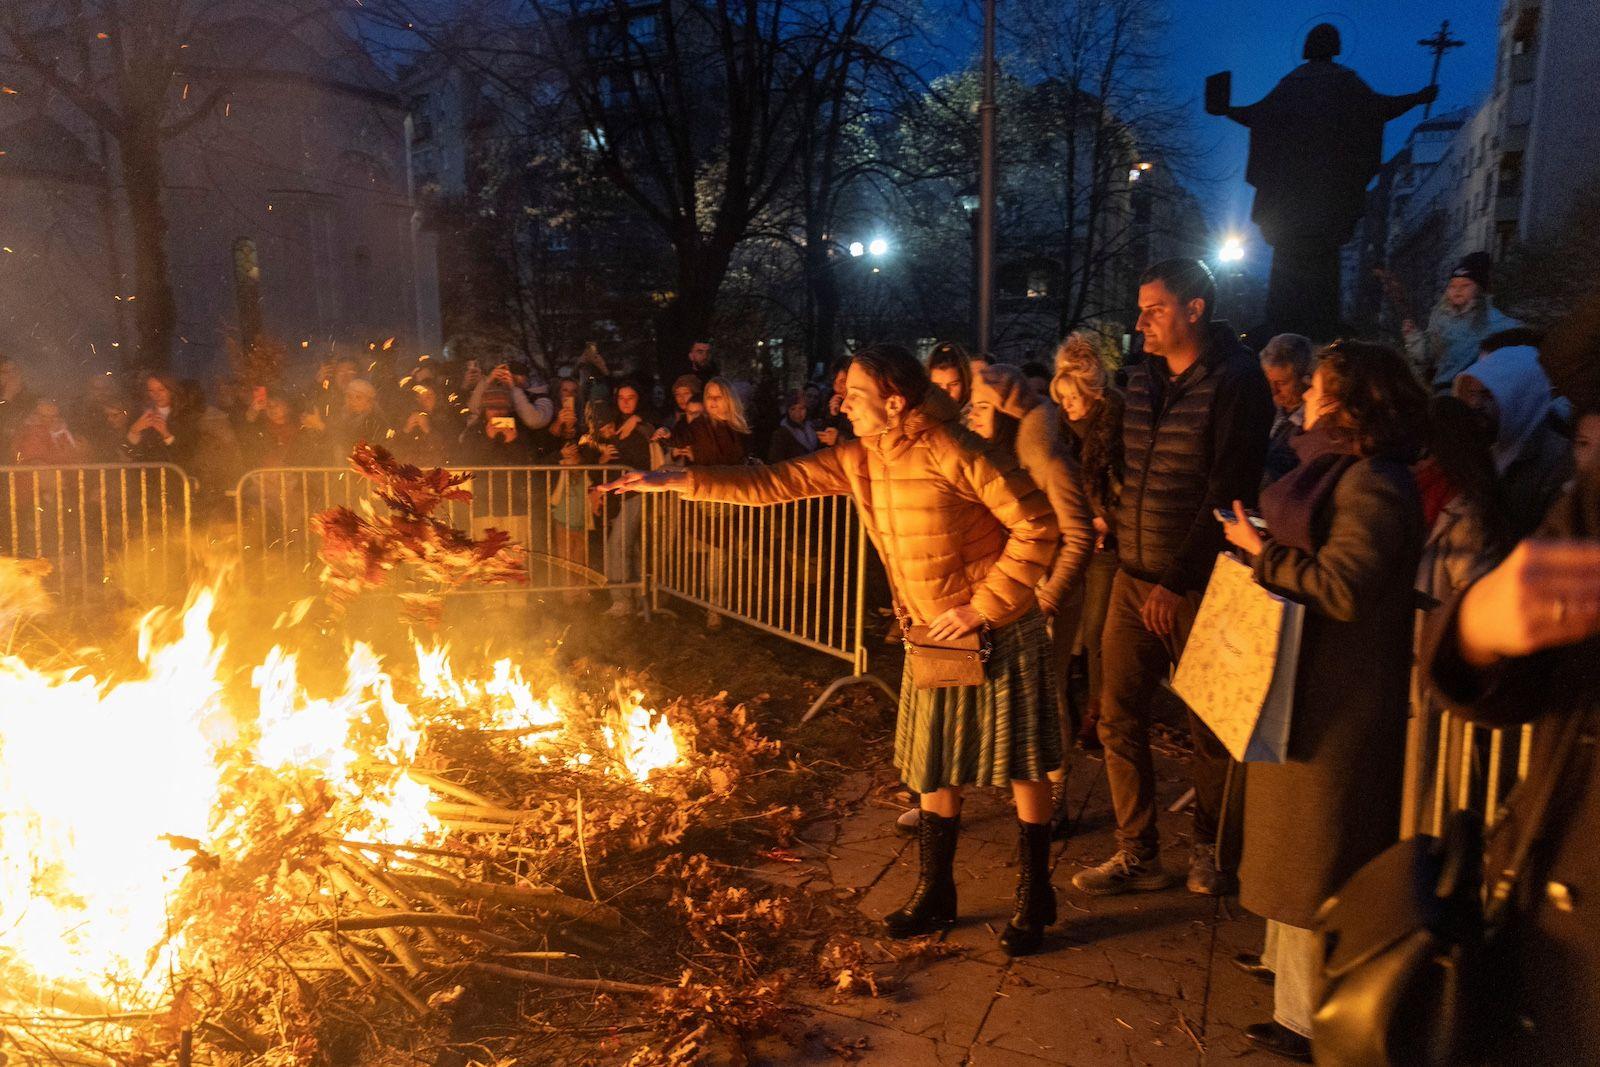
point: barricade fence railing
(107, 530)
(796, 569)
(575, 537)
(1454, 765)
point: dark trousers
(1136, 662)
(1080, 625)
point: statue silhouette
(1316, 140)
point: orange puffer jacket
(952, 526)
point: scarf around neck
(1289, 504)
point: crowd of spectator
(1361, 481)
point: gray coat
(1311, 822)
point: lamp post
(985, 253)
(969, 205)
(1230, 255)
(872, 252)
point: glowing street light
(857, 249)
(1232, 250)
(878, 247)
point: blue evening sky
(1260, 41)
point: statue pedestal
(1303, 290)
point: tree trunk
(155, 312)
(701, 269)
(823, 291)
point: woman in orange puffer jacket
(966, 539)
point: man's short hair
(1516, 337)
(1189, 279)
(1288, 350)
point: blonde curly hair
(1083, 364)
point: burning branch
(360, 549)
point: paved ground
(1142, 979)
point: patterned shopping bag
(1238, 667)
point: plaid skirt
(1007, 728)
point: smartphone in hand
(1227, 515)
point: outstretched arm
(818, 474)
(1392, 107)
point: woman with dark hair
(1023, 429)
(1343, 536)
(166, 431)
(950, 370)
(624, 442)
(966, 538)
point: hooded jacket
(953, 525)
(1042, 451)
(1534, 461)
(1191, 443)
(1449, 344)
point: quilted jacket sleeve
(1024, 510)
(818, 474)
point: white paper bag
(1238, 667)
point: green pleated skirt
(1007, 728)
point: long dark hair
(1382, 407)
(1460, 449)
(952, 354)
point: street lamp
(857, 249)
(987, 111)
(1232, 250)
(972, 203)
(878, 247)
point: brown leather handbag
(942, 664)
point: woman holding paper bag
(1343, 536)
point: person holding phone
(164, 432)
(509, 385)
(1343, 535)
(422, 437)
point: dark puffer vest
(1191, 443)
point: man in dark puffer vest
(1199, 414)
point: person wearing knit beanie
(1457, 325)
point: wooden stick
(444, 785)
(402, 851)
(593, 985)
(543, 897)
(583, 851)
(476, 827)
(385, 978)
(392, 939)
(386, 888)
(390, 920)
(539, 956)
(331, 943)
(445, 809)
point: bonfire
(203, 860)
